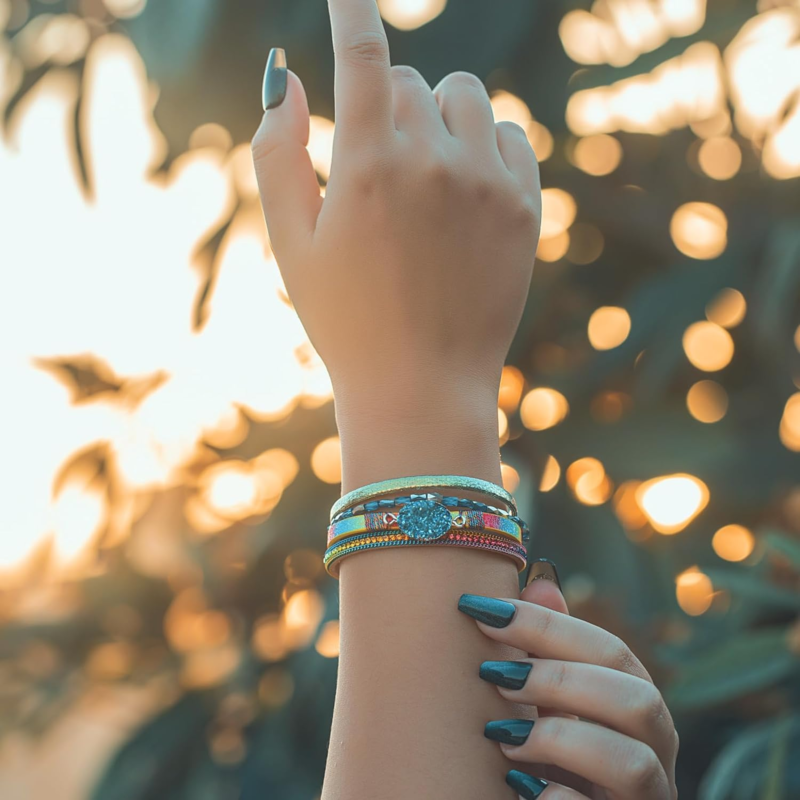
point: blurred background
(169, 450)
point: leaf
(744, 664)
(750, 587)
(776, 764)
(781, 543)
(156, 760)
(740, 769)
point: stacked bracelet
(423, 519)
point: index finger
(363, 73)
(551, 634)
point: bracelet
(429, 521)
(381, 488)
(454, 502)
(354, 544)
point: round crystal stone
(424, 519)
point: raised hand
(411, 275)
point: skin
(410, 278)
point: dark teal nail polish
(528, 786)
(489, 610)
(274, 89)
(508, 674)
(508, 731)
(543, 569)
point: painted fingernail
(508, 674)
(527, 786)
(508, 731)
(274, 90)
(543, 569)
(489, 610)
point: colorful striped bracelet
(425, 519)
(374, 490)
(450, 502)
(481, 541)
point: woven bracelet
(489, 542)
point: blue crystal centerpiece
(424, 519)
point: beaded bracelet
(492, 543)
(450, 502)
(374, 490)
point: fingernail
(543, 569)
(489, 610)
(274, 90)
(527, 786)
(508, 674)
(508, 731)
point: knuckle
(557, 677)
(401, 72)
(365, 48)
(528, 212)
(466, 80)
(555, 733)
(512, 128)
(261, 148)
(620, 656)
(485, 189)
(543, 625)
(436, 169)
(644, 771)
(650, 709)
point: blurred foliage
(245, 708)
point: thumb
(287, 182)
(544, 587)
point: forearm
(410, 709)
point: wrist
(401, 434)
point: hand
(601, 722)
(410, 277)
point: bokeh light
(609, 327)
(708, 346)
(790, 424)
(406, 15)
(512, 385)
(617, 32)
(510, 478)
(543, 408)
(671, 502)
(727, 309)
(707, 401)
(694, 591)
(699, 230)
(733, 542)
(558, 212)
(597, 155)
(507, 107)
(585, 243)
(326, 460)
(328, 641)
(720, 157)
(125, 9)
(588, 480)
(550, 475)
